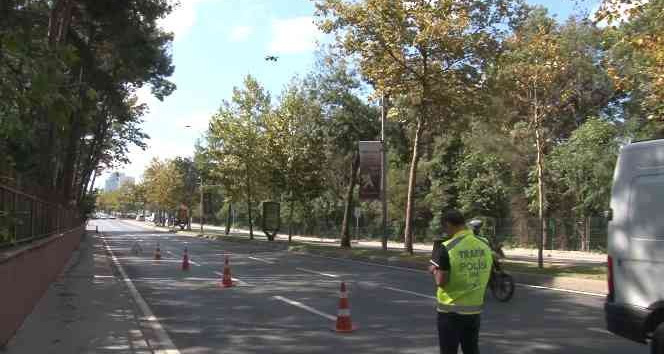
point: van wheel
(657, 344)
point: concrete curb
(567, 283)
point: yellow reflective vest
(470, 268)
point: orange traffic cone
(344, 323)
(157, 253)
(185, 260)
(226, 280)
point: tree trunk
(408, 232)
(586, 234)
(290, 221)
(345, 229)
(69, 159)
(94, 179)
(71, 150)
(189, 217)
(229, 218)
(540, 191)
(251, 221)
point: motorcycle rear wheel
(503, 287)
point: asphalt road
(286, 303)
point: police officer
(461, 266)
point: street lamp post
(201, 206)
(383, 172)
(201, 202)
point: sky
(217, 43)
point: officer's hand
(432, 269)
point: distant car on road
(634, 307)
(140, 218)
(111, 216)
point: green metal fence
(583, 234)
(24, 217)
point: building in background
(116, 180)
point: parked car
(140, 218)
(634, 307)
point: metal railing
(24, 217)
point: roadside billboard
(370, 169)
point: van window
(647, 207)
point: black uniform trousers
(455, 329)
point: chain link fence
(24, 218)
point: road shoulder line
(305, 307)
(318, 273)
(260, 260)
(178, 256)
(165, 344)
(409, 292)
(562, 290)
(240, 282)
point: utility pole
(383, 172)
(201, 206)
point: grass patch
(422, 260)
(585, 272)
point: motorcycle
(181, 223)
(501, 283)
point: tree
(164, 185)
(295, 141)
(190, 183)
(636, 59)
(347, 120)
(551, 79)
(584, 166)
(237, 146)
(482, 186)
(108, 201)
(430, 52)
(139, 195)
(70, 70)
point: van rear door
(637, 232)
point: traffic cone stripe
(185, 260)
(344, 323)
(226, 280)
(157, 253)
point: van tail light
(610, 277)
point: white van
(634, 307)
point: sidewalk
(87, 310)
(518, 254)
